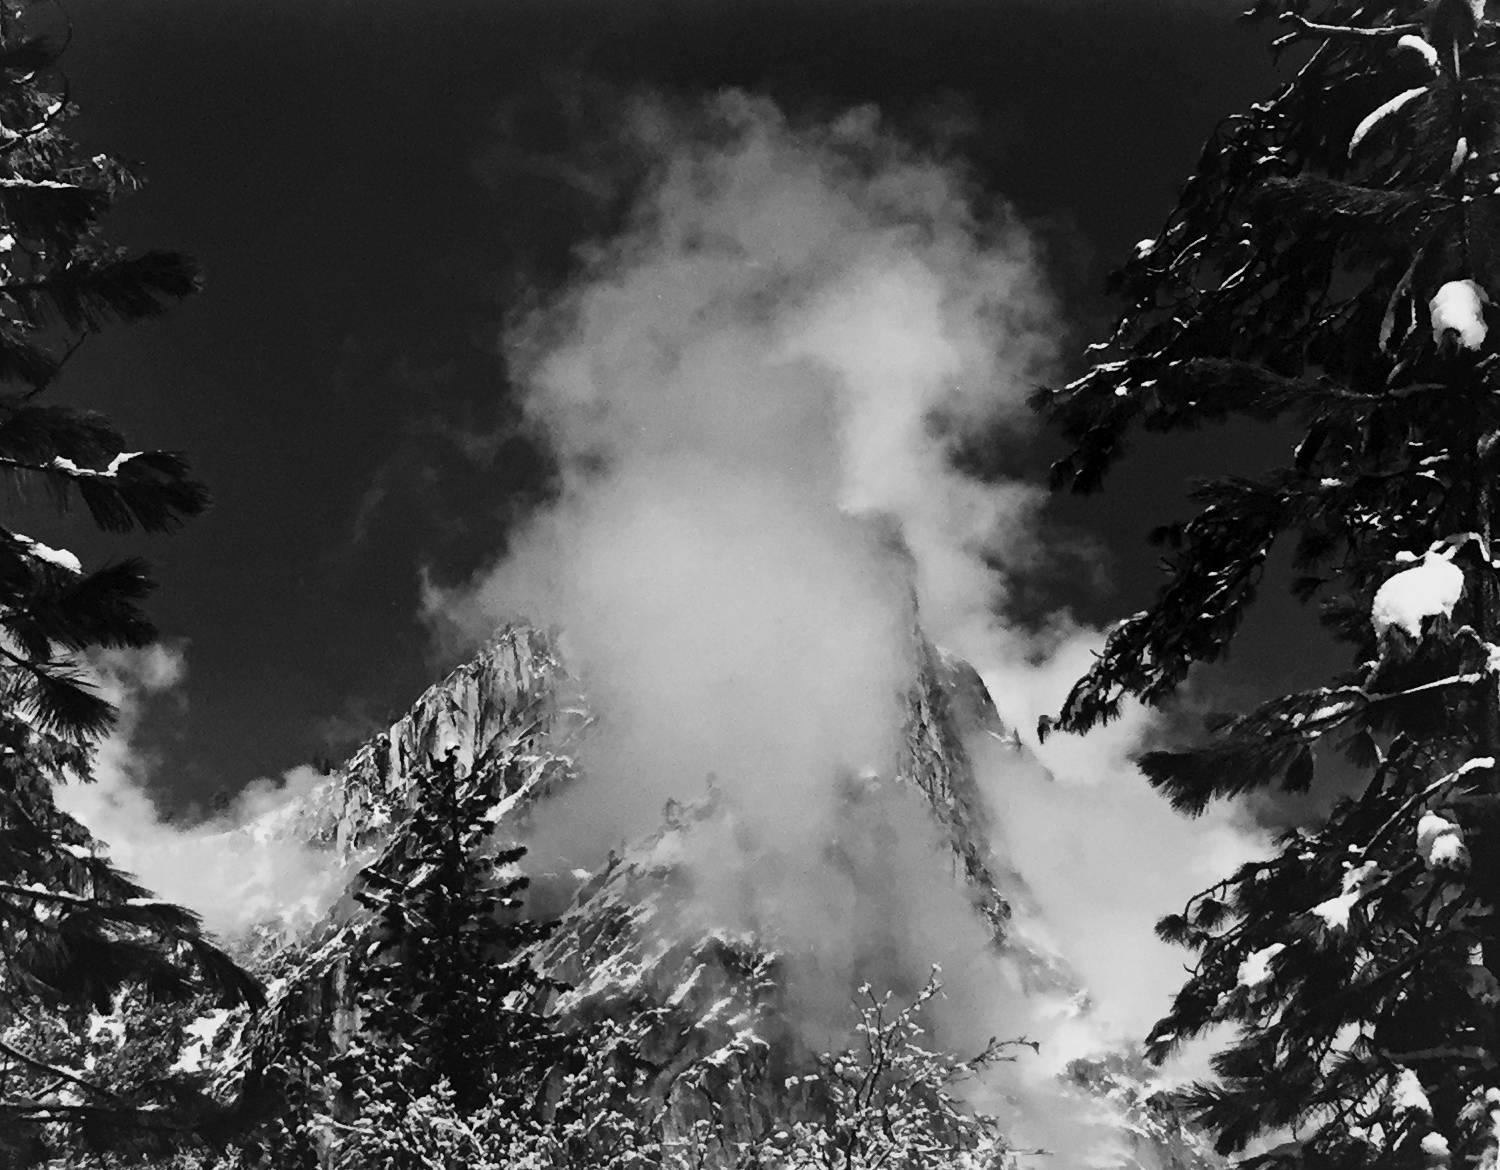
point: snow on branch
(60, 557)
(1478, 764)
(1309, 28)
(1256, 969)
(1426, 590)
(1458, 309)
(1380, 113)
(1420, 45)
(1440, 843)
(1358, 881)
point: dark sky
(345, 171)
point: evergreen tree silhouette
(1330, 264)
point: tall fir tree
(1330, 265)
(444, 1001)
(74, 931)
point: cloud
(754, 392)
(238, 869)
(747, 396)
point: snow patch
(1380, 113)
(1435, 1145)
(1458, 308)
(1256, 968)
(201, 1033)
(1460, 155)
(1440, 843)
(1408, 1096)
(1335, 911)
(1430, 588)
(1421, 46)
(60, 557)
(108, 1029)
(63, 463)
(1448, 852)
(1356, 884)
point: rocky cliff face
(702, 1006)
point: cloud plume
(239, 868)
(755, 391)
(748, 394)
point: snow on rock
(1429, 588)
(108, 1029)
(60, 557)
(1256, 968)
(1408, 1096)
(1380, 113)
(1420, 46)
(201, 1033)
(1441, 843)
(1144, 248)
(1435, 1146)
(119, 461)
(1458, 308)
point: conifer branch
(56, 112)
(1471, 1053)
(61, 1073)
(62, 897)
(1307, 28)
(1417, 798)
(129, 1116)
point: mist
(236, 869)
(754, 392)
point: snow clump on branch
(60, 557)
(1425, 590)
(1421, 46)
(1380, 113)
(1256, 968)
(1441, 843)
(1408, 1096)
(1357, 882)
(1458, 308)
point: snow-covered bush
(886, 1100)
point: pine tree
(1330, 265)
(74, 931)
(443, 996)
